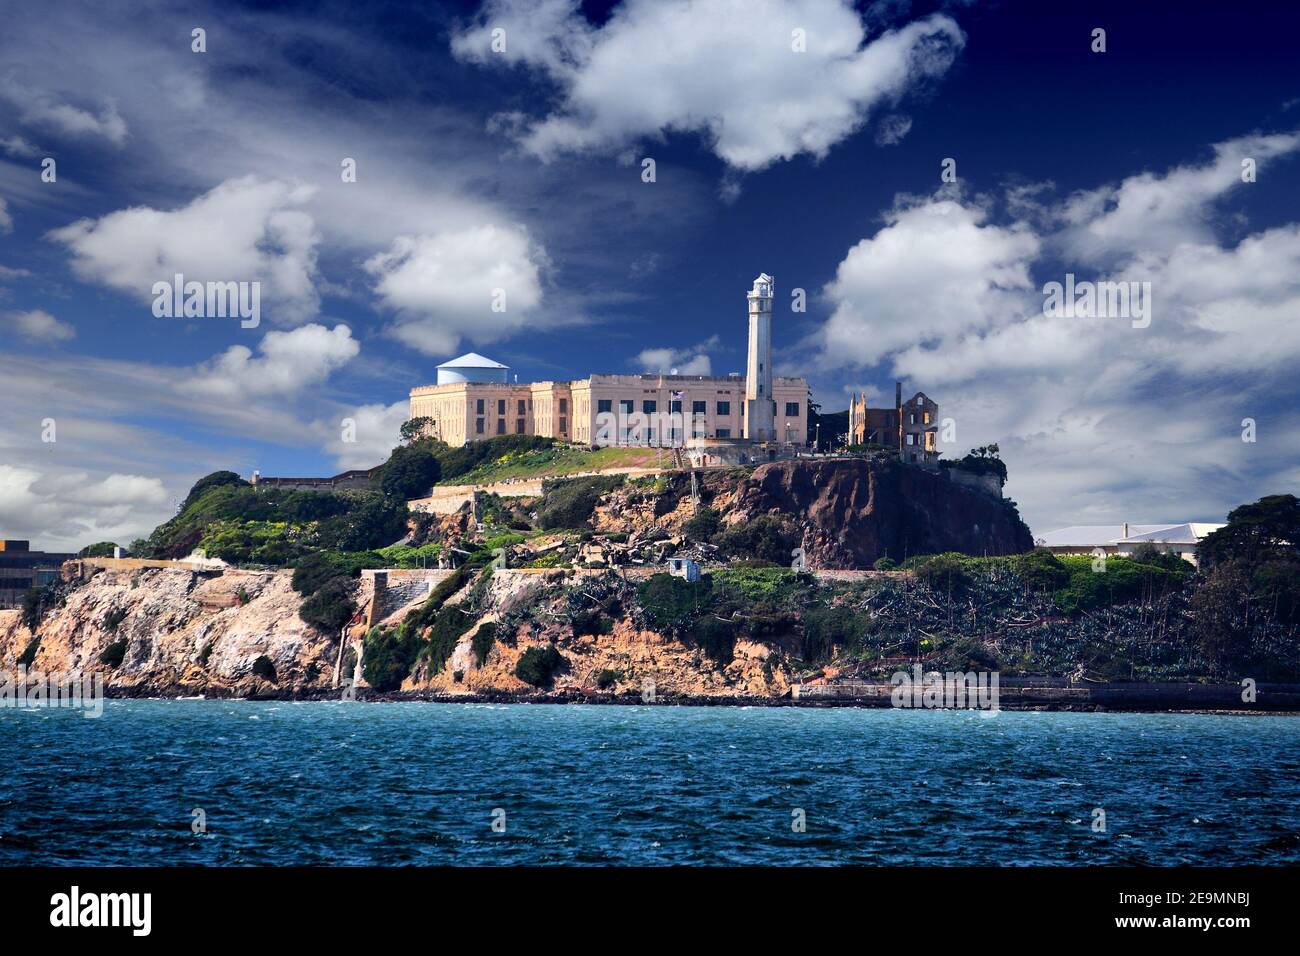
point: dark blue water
(350, 783)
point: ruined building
(911, 427)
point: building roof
(1099, 535)
(472, 360)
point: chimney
(898, 394)
(1125, 534)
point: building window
(479, 409)
(604, 405)
(519, 426)
(724, 432)
(724, 408)
(564, 406)
(625, 406)
(792, 409)
(674, 407)
(478, 424)
(521, 406)
(911, 439)
(926, 418)
(501, 406)
(699, 408)
(649, 406)
(564, 424)
(501, 426)
(760, 389)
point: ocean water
(416, 783)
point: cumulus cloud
(687, 361)
(1100, 421)
(38, 325)
(41, 508)
(654, 68)
(479, 283)
(937, 268)
(243, 230)
(374, 433)
(288, 363)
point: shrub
(703, 525)
(1122, 581)
(482, 641)
(101, 549)
(671, 602)
(215, 480)
(825, 628)
(767, 537)
(537, 665)
(457, 461)
(409, 472)
(569, 503)
(388, 657)
(264, 668)
(943, 573)
(885, 564)
(1040, 570)
(716, 638)
(34, 601)
(606, 678)
(331, 607)
(114, 653)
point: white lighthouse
(760, 409)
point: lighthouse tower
(760, 409)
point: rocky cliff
(854, 511)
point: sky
(914, 176)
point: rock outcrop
(853, 511)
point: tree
(101, 549)
(207, 482)
(414, 428)
(1266, 530)
(410, 471)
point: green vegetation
(981, 461)
(507, 457)
(482, 641)
(537, 665)
(606, 678)
(570, 502)
(35, 601)
(411, 470)
(100, 549)
(232, 520)
(389, 655)
(885, 564)
(114, 653)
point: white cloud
(18, 146)
(655, 68)
(937, 268)
(41, 507)
(243, 230)
(6, 220)
(289, 362)
(43, 108)
(38, 325)
(443, 286)
(892, 129)
(376, 432)
(687, 361)
(1099, 421)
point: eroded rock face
(185, 633)
(854, 511)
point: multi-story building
(912, 427)
(22, 568)
(474, 399)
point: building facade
(22, 568)
(911, 427)
(474, 399)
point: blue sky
(522, 169)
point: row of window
(650, 406)
(480, 404)
(480, 426)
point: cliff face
(185, 632)
(854, 511)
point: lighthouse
(760, 408)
